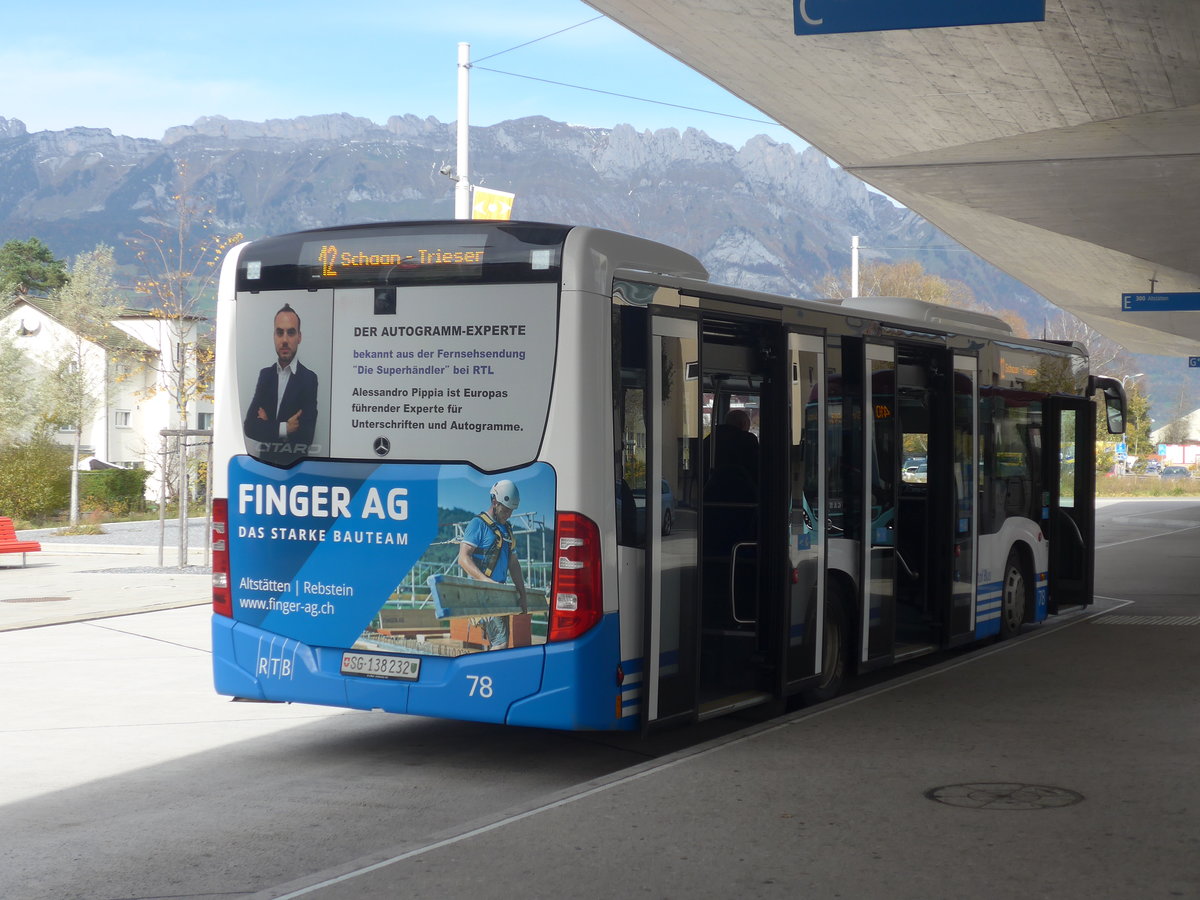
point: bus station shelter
(1064, 149)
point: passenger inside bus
(734, 457)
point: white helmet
(506, 494)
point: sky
(139, 68)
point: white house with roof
(130, 367)
(1187, 451)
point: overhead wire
(542, 38)
(579, 87)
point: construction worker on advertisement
(488, 553)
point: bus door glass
(967, 482)
(744, 514)
(806, 534)
(672, 415)
(882, 449)
(1072, 486)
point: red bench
(9, 542)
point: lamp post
(462, 187)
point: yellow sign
(490, 204)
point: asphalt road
(125, 776)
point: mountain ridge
(763, 216)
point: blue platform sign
(840, 16)
(1194, 362)
(1186, 301)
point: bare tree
(180, 255)
(179, 252)
(1105, 354)
(906, 278)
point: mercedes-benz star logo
(382, 446)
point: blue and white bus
(551, 476)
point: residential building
(132, 369)
(1185, 451)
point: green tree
(86, 304)
(27, 266)
(1137, 423)
(19, 393)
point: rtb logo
(276, 662)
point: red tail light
(576, 599)
(222, 600)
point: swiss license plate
(377, 665)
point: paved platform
(69, 581)
(1060, 764)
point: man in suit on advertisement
(282, 417)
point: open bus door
(716, 609)
(1071, 508)
(670, 635)
(919, 510)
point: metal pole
(208, 505)
(162, 501)
(854, 266)
(462, 188)
(183, 510)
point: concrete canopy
(1065, 152)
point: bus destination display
(405, 255)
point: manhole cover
(1003, 795)
(33, 599)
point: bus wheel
(1013, 596)
(833, 652)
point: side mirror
(1114, 401)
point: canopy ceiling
(1065, 152)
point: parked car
(1153, 467)
(1175, 472)
(668, 505)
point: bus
(545, 475)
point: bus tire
(834, 652)
(1014, 595)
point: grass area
(97, 519)
(80, 529)
(1146, 486)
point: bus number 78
(481, 685)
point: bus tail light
(222, 599)
(576, 599)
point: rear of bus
(427, 369)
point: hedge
(35, 480)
